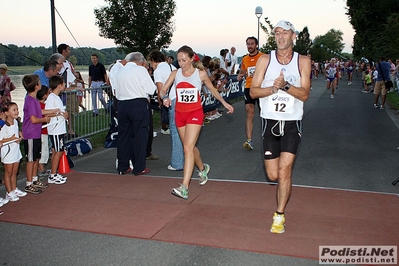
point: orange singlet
(248, 64)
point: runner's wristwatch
(286, 86)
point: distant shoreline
(24, 70)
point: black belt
(135, 99)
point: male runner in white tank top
(282, 82)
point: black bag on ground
(388, 84)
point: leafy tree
(327, 45)
(271, 41)
(34, 58)
(73, 60)
(376, 26)
(303, 42)
(137, 25)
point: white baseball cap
(285, 25)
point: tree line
(13, 55)
(377, 28)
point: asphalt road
(347, 144)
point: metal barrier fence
(82, 119)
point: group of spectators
(47, 110)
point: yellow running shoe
(278, 226)
(248, 145)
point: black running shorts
(280, 136)
(57, 142)
(248, 99)
(33, 148)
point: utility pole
(54, 39)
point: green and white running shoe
(203, 175)
(181, 192)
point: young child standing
(367, 82)
(81, 93)
(31, 131)
(2, 123)
(57, 128)
(42, 95)
(10, 152)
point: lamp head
(258, 11)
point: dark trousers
(133, 126)
(150, 134)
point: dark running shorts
(33, 149)
(280, 136)
(248, 99)
(57, 142)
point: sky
(205, 25)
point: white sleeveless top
(281, 105)
(188, 91)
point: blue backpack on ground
(78, 147)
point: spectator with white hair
(133, 85)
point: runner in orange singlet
(247, 71)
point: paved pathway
(342, 181)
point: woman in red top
(189, 115)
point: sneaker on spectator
(12, 196)
(181, 192)
(203, 175)
(152, 157)
(278, 226)
(376, 106)
(32, 189)
(171, 168)
(55, 179)
(62, 177)
(4, 201)
(248, 145)
(20, 193)
(39, 184)
(166, 131)
(382, 107)
(44, 174)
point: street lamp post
(321, 52)
(258, 13)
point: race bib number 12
(281, 103)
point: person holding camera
(223, 62)
(231, 60)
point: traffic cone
(63, 167)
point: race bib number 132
(187, 95)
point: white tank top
(188, 91)
(281, 105)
